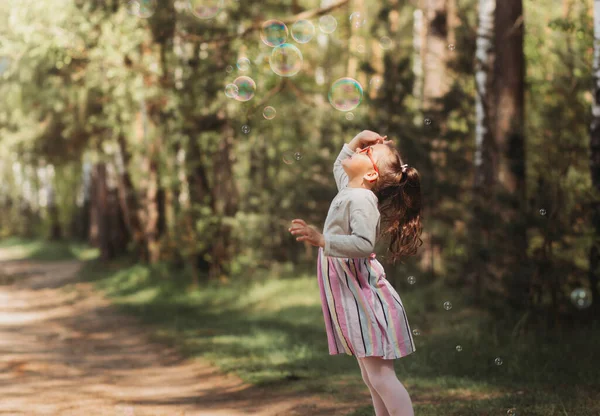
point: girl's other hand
(367, 138)
(307, 233)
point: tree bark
(509, 160)
(594, 254)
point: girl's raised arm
(341, 179)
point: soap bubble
(231, 90)
(458, 348)
(303, 31)
(376, 82)
(360, 48)
(205, 9)
(357, 20)
(416, 332)
(345, 94)
(542, 211)
(511, 412)
(451, 47)
(246, 88)
(229, 69)
(581, 298)
(243, 64)
(385, 43)
(286, 60)
(427, 122)
(290, 156)
(142, 8)
(349, 116)
(327, 23)
(273, 33)
(447, 305)
(411, 280)
(245, 129)
(269, 113)
(498, 361)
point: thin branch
(256, 26)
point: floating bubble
(458, 348)
(542, 211)
(286, 60)
(327, 23)
(349, 116)
(427, 121)
(245, 129)
(447, 305)
(229, 69)
(360, 48)
(376, 82)
(498, 361)
(243, 64)
(581, 298)
(246, 88)
(411, 280)
(205, 9)
(357, 20)
(290, 156)
(269, 113)
(511, 412)
(385, 43)
(303, 31)
(345, 94)
(273, 33)
(231, 90)
(416, 332)
(142, 8)
(451, 47)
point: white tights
(390, 398)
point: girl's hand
(367, 138)
(307, 233)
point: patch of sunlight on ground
(275, 295)
(142, 296)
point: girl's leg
(378, 404)
(383, 378)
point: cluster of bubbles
(241, 89)
(581, 298)
(141, 8)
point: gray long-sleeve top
(353, 220)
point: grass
(271, 333)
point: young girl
(364, 315)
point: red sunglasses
(369, 152)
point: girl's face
(361, 165)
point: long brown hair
(399, 195)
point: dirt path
(73, 354)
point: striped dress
(364, 315)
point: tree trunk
(594, 255)
(435, 80)
(509, 160)
(128, 199)
(484, 145)
(100, 226)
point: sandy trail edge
(74, 354)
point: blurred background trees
(115, 129)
